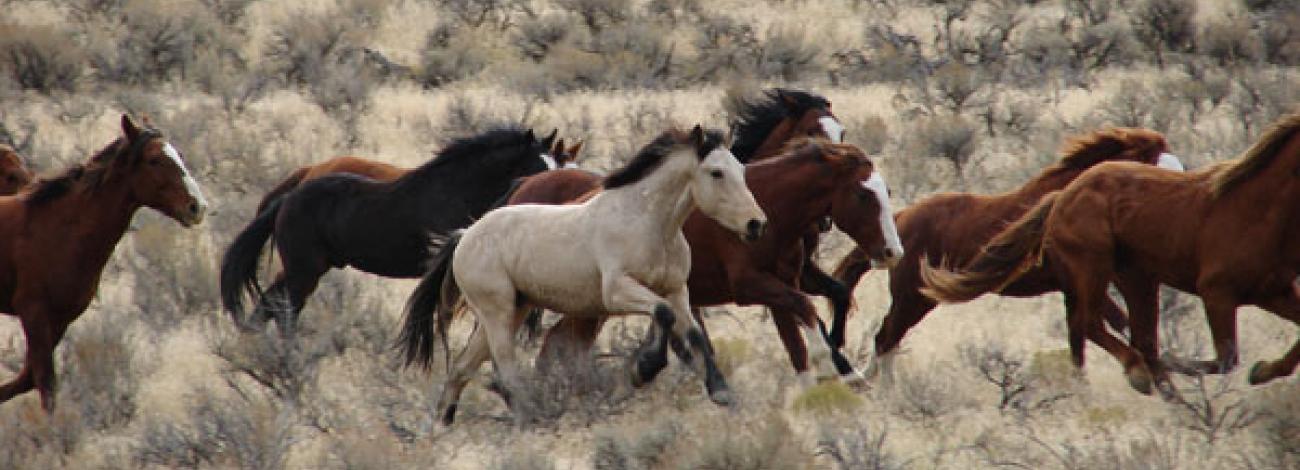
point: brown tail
(1003, 259)
(285, 186)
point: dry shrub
(452, 54)
(175, 277)
(955, 84)
(598, 15)
(99, 378)
(828, 399)
(870, 133)
(1164, 25)
(1019, 389)
(536, 37)
(850, 444)
(1229, 40)
(950, 137)
(1278, 407)
(1280, 36)
(578, 385)
(523, 458)
(753, 443)
(924, 393)
(218, 432)
(39, 57)
(790, 54)
(32, 438)
(649, 447)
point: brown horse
(565, 157)
(13, 173)
(952, 227)
(812, 180)
(56, 238)
(1226, 233)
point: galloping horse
(56, 238)
(811, 180)
(565, 157)
(378, 227)
(951, 228)
(1226, 233)
(13, 173)
(621, 252)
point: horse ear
(550, 138)
(528, 135)
(697, 136)
(558, 147)
(129, 128)
(573, 151)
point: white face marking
(893, 243)
(832, 128)
(191, 186)
(1170, 161)
(550, 161)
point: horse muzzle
(193, 214)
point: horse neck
(102, 217)
(771, 147)
(663, 194)
(1052, 179)
(476, 185)
(773, 185)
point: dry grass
(944, 95)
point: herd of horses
(504, 224)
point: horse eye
(716, 174)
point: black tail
(429, 309)
(239, 265)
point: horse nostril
(195, 209)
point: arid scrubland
(946, 95)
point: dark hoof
(721, 397)
(449, 415)
(1140, 380)
(1258, 373)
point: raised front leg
(38, 368)
(815, 281)
(1286, 306)
(791, 311)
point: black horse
(380, 228)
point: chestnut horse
(14, 175)
(57, 237)
(952, 227)
(1226, 233)
(378, 227)
(565, 157)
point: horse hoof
(1257, 373)
(1141, 381)
(855, 381)
(721, 397)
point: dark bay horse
(813, 179)
(951, 228)
(1227, 233)
(14, 174)
(378, 227)
(56, 238)
(565, 157)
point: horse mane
(1227, 175)
(1083, 151)
(465, 150)
(90, 174)
(653, 154)
(753, 120)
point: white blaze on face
(833, 129)
(549, 161)
(191, 186)
(1169, 161)
(893, 243)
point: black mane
(754, 120)
(474, 150)
(653, 154)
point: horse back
(555, 187)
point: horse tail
(429, 310)
(239, 264)
(281, 189)
(1002, 261)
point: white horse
(621, 252)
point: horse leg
(906, 309)
(1142, 295)
(791, 311)
(622, 293)
(1286, 306)
(815, 281)
(300, 280)
(652, 355)
(38, 369)
(852, 268)
(1221, 313)
(467, 363)
(1084, 318)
